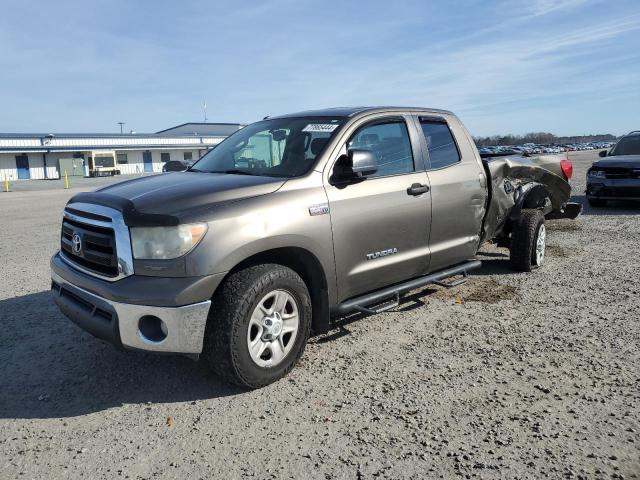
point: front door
(22, 164)
(380, 225)
(148, 162)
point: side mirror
(603, 153)
(355, 165)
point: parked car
(290, 221)
(176, 166)
(617, 175)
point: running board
(381, 307)
(453, 283)
(383, 298)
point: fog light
(153, 329)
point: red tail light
(567, 168)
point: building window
(188, 156)
(122, 158)
(165, 157)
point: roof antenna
(204, 108)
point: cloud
(486, 61)
(539, 8)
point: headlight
(166, 242)
(596, 173)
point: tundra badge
(381, 253)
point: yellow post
(6, 183)
(66, 181)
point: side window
(390, 143)
(440, 143)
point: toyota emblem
(76, 244)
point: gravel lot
(508, 376)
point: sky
(569, 67)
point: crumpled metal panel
(512, 178)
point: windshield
(627, 146)
(281, 147)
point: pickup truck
(292, 221)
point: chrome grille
(97, 250)
(103, 240)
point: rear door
(381, 229)
(458, 190)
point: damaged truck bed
(518, 183)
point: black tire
(523, 240)
(225, 348)
(596, 202)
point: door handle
(417, 189)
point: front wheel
(528, 241)
(258, 325)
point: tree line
(540, 138)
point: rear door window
(442, 148)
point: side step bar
(362, 302)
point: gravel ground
(508, 376)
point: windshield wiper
(236, 172)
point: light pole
(121, 124)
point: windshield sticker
(320, 127)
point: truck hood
(171, 197)
(619, 161)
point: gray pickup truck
(289, 222)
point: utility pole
(121, 124)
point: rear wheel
(258, 325)
(596, 202)
(528, 241)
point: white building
(38, 156)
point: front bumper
(122, 323)
(613, 189)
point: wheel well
(536, 198)
(305, 264)
(533, 196)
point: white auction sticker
(320, 127)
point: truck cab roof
(353, 111)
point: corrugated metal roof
(196, 129)
(170, 138)
(88, 142)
